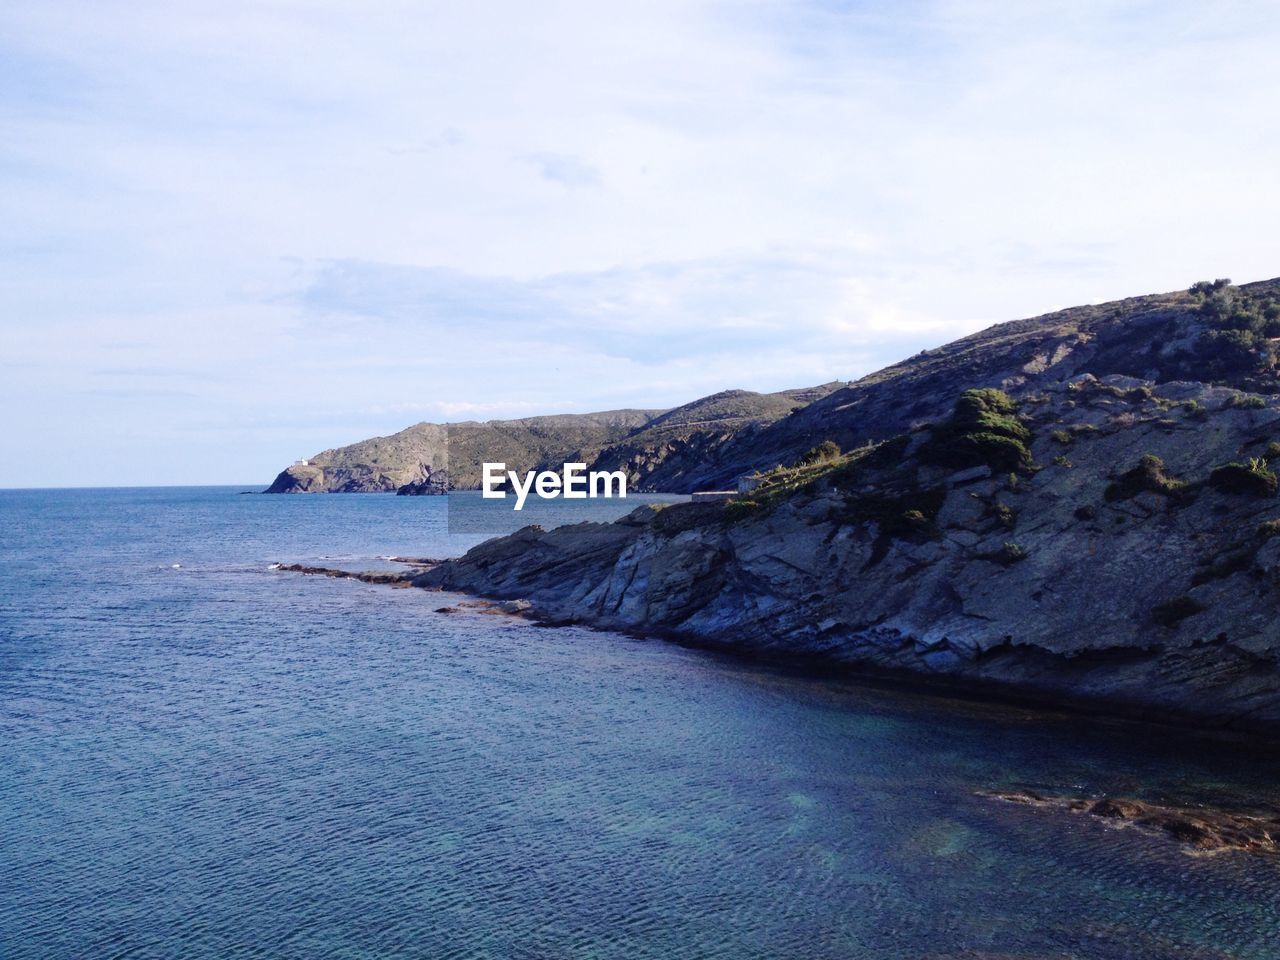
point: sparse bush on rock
(824, 452)
(1149, 476)
(1252, 478)
(1009, 554)
(1247, 401)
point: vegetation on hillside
(984, 429)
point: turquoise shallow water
(216, 760)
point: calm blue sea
(200, 757)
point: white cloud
(574, 205)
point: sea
(205, 757)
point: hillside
(377, 465)
(657, 448)
(677, 450)
(1218, 334)
(1104, 527)
(414, 455)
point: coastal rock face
(433, 483)
(1107, 538)
(380, 465)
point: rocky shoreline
(1081, 508)
(1118, 566)
(1202, 829)
(388, 578)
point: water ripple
(223, 761)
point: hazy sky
(238, 233)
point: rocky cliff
(1089, 524)
(378, 465)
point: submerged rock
(1199, 828)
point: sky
(237, 233)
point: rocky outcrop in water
(1200, 829)
(1106, 538)
(389, 577)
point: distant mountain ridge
(415, 454)
(633, 440)
(1213, 333)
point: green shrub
(736, 510)
(1063, 437)
(824, 452)
(1062, 461)
(1272, 451)
(1173, 612)
(907, 516)
(992, 449)
(1268, 529)
(1252, 478)
(987, 399)
(983, 429)
(1233, 351)
(1148, 476)
(889, 453)
(1005, 515)
(1247, 401)
(1203, 288)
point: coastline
(1202, 829)
(1091, 711)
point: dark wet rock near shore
(431, 484)
(393, 578)
(514, 608)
